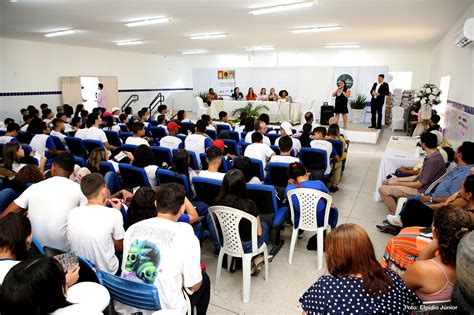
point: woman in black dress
(342, 94)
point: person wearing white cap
(115, 111)
(286, 129)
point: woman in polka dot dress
(357, 284)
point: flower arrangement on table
(427, 97)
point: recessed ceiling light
(208, 36)
(130, 42)
(60, 33)
(342, 46)
(260, 48)
(316, 29)
(149, 22)
(193, 52)
(284, 7)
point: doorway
(89, 88)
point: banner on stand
(226, 82)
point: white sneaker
(395, 220)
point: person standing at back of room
(379, 90)
(101, 97)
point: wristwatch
(431, 199)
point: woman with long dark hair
(342, 94)
(251, 96)
(356, 282)
(144, 158)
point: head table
(278, 111)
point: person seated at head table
(212, 96)
(251, 96)
(263, 95)
(237, 95)
(272, 96)
(283, 95)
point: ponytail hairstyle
(296, 170)
(451, 223)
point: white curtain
(71, 90)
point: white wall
(458, 63)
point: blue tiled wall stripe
(120, 91)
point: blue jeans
(7, 196)
(247, 246)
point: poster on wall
(225, 82)
(460, 121)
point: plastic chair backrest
(221, 127)
(231, 147)
(234, 135)
(135, 294)
(58, 143)
(222, 168)
(273, 137)
(314, 159)
(92, 144)
(264, 197)
(167, 176)
(211, 133)
(185, 126)
(207, 189)
(275, 149)
(36, 248)
(257, 167)
(7, 196)
(133, 176)
(76, 146)
(278, 174)
(105, 167)
(229, 219)
(308, 200)
(87, 271)
(113, 138)
(123, 128)
(158, 132)
(129, 148)
(80, 161)
(243, 146)
(124, 135)
(27, 149)
(162, 155)
(112, 181)
(338, 146)
(194, 164)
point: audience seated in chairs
(164, 241)
(58, 129)
(100, 155)
(285, 144)
(306, 136)
(199, 141)
(49, 202)
(38, 286)
(418, 210)
(286, 129)
(14, 156)
(138, 135)
(42, 143)
(94, 133)
(433, 168)
(299, 179)
(95, 230)
(258, 149)
(432, 276)
(144, 158)
(242, 122)
(234, 194)
(244, 164)
(15, 239)
(356, 281)
(181, 165)
(171, 141)
(12, 133)
(224, 120)
(260, 127)
(319, 142)
(214, 160)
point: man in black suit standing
(379, 91)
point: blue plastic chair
(234, 135)
(124, 135)
(167, 176)
(113, 183)
(242, 146)
(7, 196)
(223, 168)
(315, 160)
(36, 247)
(257, 167)
(27, 149)
(185, 126)
(158, 132)
(76, 147)
(231, 147)
(182, 137)
(275, 149)
(338, 146)
(211, 133)
(133, 176)
(273, 137)
(131, 293)
(129, 148)
(92, 144)
(277, 174)
(194, 164)
(162, 155)
(207, 190)
(113, 138)
(265, 198)
(58, 143)
(105, 167)
(80, 161)
(222, 127)
(87, 272)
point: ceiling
(374, 24)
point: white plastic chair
(308, 200)
(398, 122)
(229, 219)
(201, 108)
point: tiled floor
(279, 295)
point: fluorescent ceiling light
(193, 52)
(149, 22)
(316, 29)
(260, 48)
(284, 7)
(130, 42)
(208, 36)
(60, 33)
(342, 46)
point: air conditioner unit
(467, 36)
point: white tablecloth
(400, 151)
(279, 111)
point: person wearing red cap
(171, 141)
